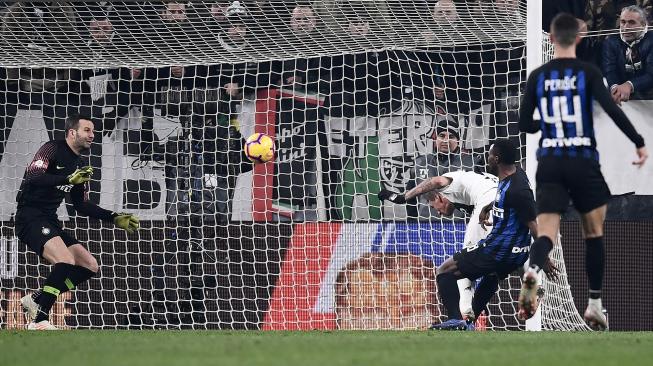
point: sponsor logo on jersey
(497, 212)
(518, 250)
(40, 164)
(60, 167)
(566, 142)
(45, 230)
(65, 188)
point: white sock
(595, 303)
(466, 289)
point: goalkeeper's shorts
(35, 229)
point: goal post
(354, 94)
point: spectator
(235, 35)
(303, 20)
(628, 57)
(446, 157)
(301, 73)
(174, 11)
(100, 93)
(603, 15)
(445, 11)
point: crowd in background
(206, 98)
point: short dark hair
(72, 122)
(506, 151)
(565, 28)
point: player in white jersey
(467, 191)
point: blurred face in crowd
(303, 20)
(101, 30)
(507, 5)
(441, 204)
(359, 28)
(631, 25)
(237, 32)
(219, 11)
(175, 12)
(445, 10)
(445, 142)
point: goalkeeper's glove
(126, 221)
(392, 197)
(81, 175)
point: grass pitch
(187, 348)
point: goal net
(355, 95)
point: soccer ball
(259, 148)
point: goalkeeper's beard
(83, 145)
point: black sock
(36, 295)
(76, 276)
(595, 265)
(448, 289)
(540, 251)
(51, 289)
(79, 275)
(484, 292)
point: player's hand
(126, 221)
(552, 272)
(642, 153)
(392, 197)
(484, 217)
(81, 175)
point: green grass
(187, 348)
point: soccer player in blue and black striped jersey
(506, 247)
(561, 95)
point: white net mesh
(353, 93)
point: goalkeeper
(53, 172)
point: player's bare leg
(86, 266)
(548, 225)
(594, 265)
(55, 252)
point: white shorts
(474, 232)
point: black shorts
(561, 179)
(35, 229)
(473, 264)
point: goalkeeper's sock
(448, 289)
(539, 252)
(51, 289)
(484, 292)
(595, 265)
(36, 295)
(79, 274)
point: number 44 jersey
(559, 101)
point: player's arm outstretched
(78, 195)
(604, 98)
(431, 184)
